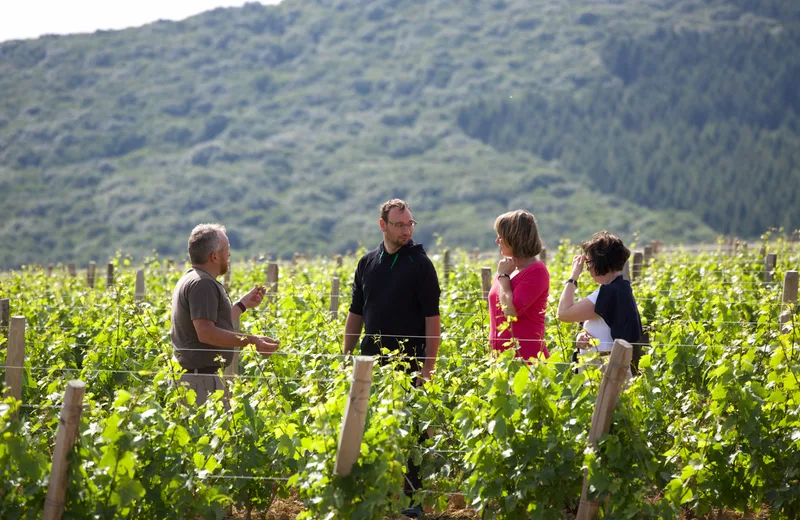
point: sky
(20, 19)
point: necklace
(529, 262)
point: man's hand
(254, 297)
(427, 373)
(265, 345)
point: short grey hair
(204, 240)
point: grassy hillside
(290, 123)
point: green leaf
(181, 435)
(109, 458)
(199, 459)
(777, 397)
(719, 392)
(111, 430)
(521, 381)
(720, 370)
(130, 490)
(127, 464)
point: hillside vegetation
(291, 123)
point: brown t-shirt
(198, 295)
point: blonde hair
(518, 230)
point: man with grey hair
(203, 316)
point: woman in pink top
(520, 288)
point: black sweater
(394, 293)
(617, 306)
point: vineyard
(710, 424)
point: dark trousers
(413, 481)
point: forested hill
(703, 121)
(290, 123)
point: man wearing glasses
(396, 301)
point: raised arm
(568, 310)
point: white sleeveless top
(599, 329)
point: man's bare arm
(432, 333)
(352, 331)
(210, 334)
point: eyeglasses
(402, 226)
(589, 263)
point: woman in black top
(610, 312)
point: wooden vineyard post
(789, 298)
(233, 369)
(334, 308)
(139, 292)
(446, 266)
(338, 261)
(610, 389)
(648, 255)
(50, 270)
(543, 256)
(15, 358)
(109, 275)
(227, 279)
(91, 272)
(626, 271)
(656, 245)
(770, 262)
(65, 440)
(637, 266)
(355, 416)
(72, 269)
(272, 281)
(475, 254)
(5, 311)
(486, 281)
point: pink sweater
(531, 287)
